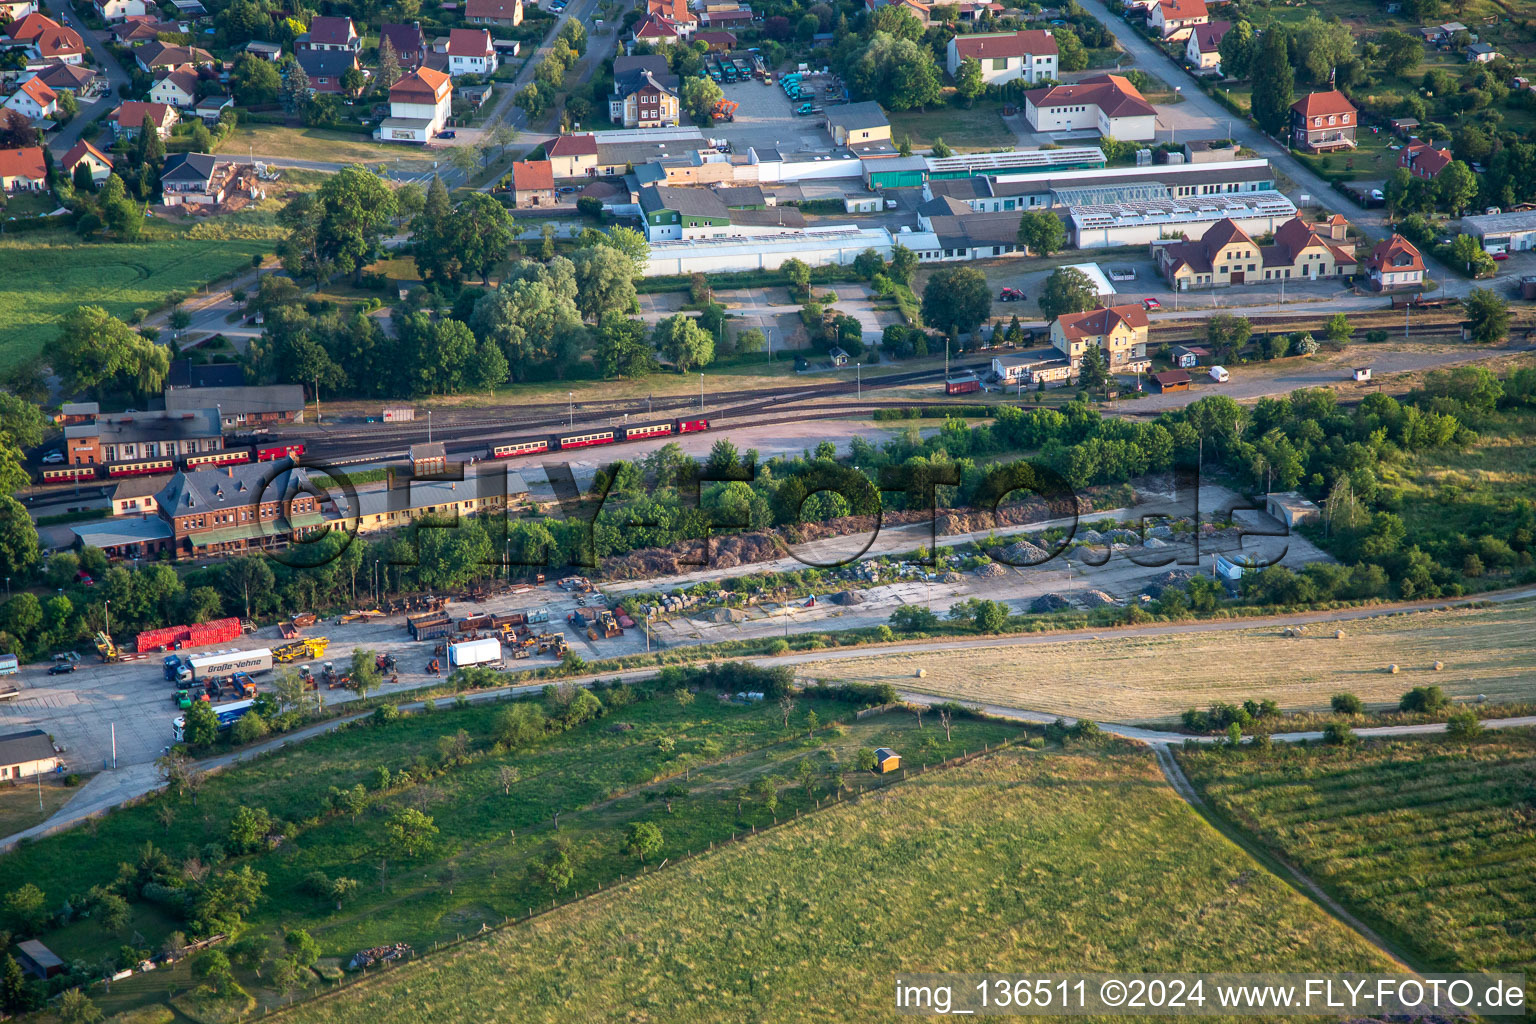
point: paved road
(61, 140)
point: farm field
(1018, 861)
(684, 767)
(50, 274)
(1153, 679)
(1428, 840)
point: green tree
(96, 351)
(75, 1007)
(939, 148)
(365, 672)
(623, 347)
(1456, 186)
(1093, 372)
(867, 761)
(1321, 47)
(15, 996)
(1425, 699)
(411, 831)
(555, 869)
(991, 616)
(751, 340)
(1227, 333)
(903, 265)
(1339, 329)
(1347, 704)
(1463, 725)
(969, 82)
(337, 230)
(389, 64)
(604, 281)
(202, 725)
(956, 298)
(630, 242)
(1487, 314)
(1071, 54)
(684, 342)
(699, 96)
(248, 828)
(24, 909)
(643, 840)
(798, 273)
(18, 534)
(1237, 49)
(1042, 232)
(1400, 53)
(1067, 291)
(1273, 84)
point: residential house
(1323, 121)
(23, 170)
(188, 178)
(15, 10)
(645, 93)
(1423, 160)
(326, 68)
(533, 183)
(1187, 357)
(1174, 20)
(719, 16)
(176, 87)
(270, 52)
(210, 109)
(1203, 50)
(1481, 53)
(1029, 54)
(45, 39)
(153, 56)
(855, 123)
(126, 437)
(1395, 263)
(1119, 332)
(1228, 255)
(244, 406)
(1108, 104)
(83, 152)
(676, 12)
(683, 213)
(716, 42)
(573, 156)
(419, 107)
(135, 32)
(128, 118)
(409, 44)
(82, 81)
(504, 13)
(22, 755)
(470, 52)
(33, 100)
(330, 34)
(654, 30)
(118, 10)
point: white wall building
(819, 246)
(1144, 223)
(1006, 56)
(419, 106)
(1107, 104)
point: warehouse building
(25, 754)
(1503, 232)
(817, 246)
(1109, 185)
(242, 406)
(1099, 226)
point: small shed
(838, 357)
(886, 760)
(399, 413)
(1172, 380)
(1186, 357)
(38, 960)
(24, 754)
(429, 459)
(1362, 373)
(1291, 508)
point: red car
(84, 579)
(1151, 304)
(1501, 256)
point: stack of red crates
(217, 631)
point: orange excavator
(725, 110)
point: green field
(600, 777)
(1016, 862)
(49, 274)
(977, 129)
(1428, 840)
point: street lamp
(429, 426)
(570, 409)
(701, 392)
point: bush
(1347, 704)
(1339, 734)
(1426, 699)
(1463, 725)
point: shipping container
(474, 652)
(199, 635)
(222, 663)
(9, 664)
(430, 627)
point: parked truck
(9, 664)
(474, 652)
(309, 647)
(201, 667)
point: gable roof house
(81, 81)
(46, 39)
(1203, 50)
(533, 183)
(656, 30)
(1323, 121)
(855, 123)
(329, 33)
(1174, 20)
(128, 118)
(135, 32)
(237, 507)
(176, 87)
(1395, 263)
(83, 152)
(573, 156)
(409, 44)
(1119, 332)
(1029, 54)
(506, 13)
(1228, 255)
(470, 52)
(187, 178)
(325, 68)
(33, 100)
(419, 107)
(645, 93)
(118, 10)
(1423, 160)
(155, 55)
(23, 170)
(1108, 104)
(676, 12)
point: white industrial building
(819, 246)
(1105, 225)
(1503, 232)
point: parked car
(449, 134)
(53, 457)
(1220, 375)
(1010, 295)
(1501, 255)
(1378, 195)
(63, 668)
(84, 579)
(1151, 304)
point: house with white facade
(1174, 20)
(1203, 49)
(419, 106)
(1030, 55)
(32, 99)
(176, 87)
(1108, 104)
(119, 10)
(470, 52)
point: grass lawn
(279, 141)
(1153, 679)
(976, 130)
(1019, 861)
(18, 803)
(1428, 840)
(49, 274)
(598, 778)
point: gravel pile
(953, 577)
(1023, 552)
(1049, 603)
(1155, 542)
(992, 570)
(848, 597)
(1091, 537)
(1097, 599)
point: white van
(1220, 375)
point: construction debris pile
(378, 955)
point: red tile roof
(675, 11)
(327, 31)
(39, 91)
(78, 152)
(1029, 42)
(1323, 103)
(469, 42)
(424, 85)
(1183, 10)
(1387, 253)
(1295, 235)
(1112, 94)
(131, 114)
(495, 10)
(573, 145)
(23, 163)
(31, 27)
(1103, 320)
(1208, 36)
(184, 78)
(1424, 158)
(532, 175)
(654, 27)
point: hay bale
(1392, 670)
(921, 673)
(1338, 634)
(1439, 665)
